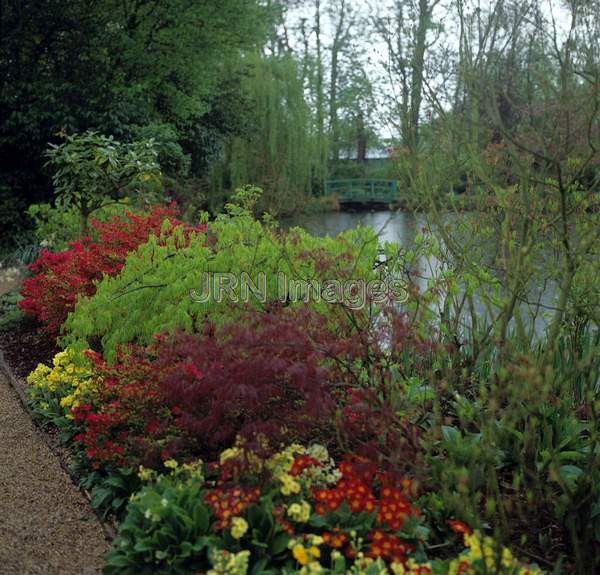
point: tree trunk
(84, 214)
(418, 65)
(361, 139)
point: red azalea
(61, 278)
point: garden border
(108, 527)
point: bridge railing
(363, 190)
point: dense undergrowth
(284, 436)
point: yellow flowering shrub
(56, 390)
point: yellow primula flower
(300, 554)
(305, 555)
(289, 485)
(229, 454)
(145, 474)
(299, 512)
(239, 526)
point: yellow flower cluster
(411, 567)
(307, 553)
(281, 463)
(483, 554)
(186, 473)
(254, 462)
(299, 512)
(68, 381)
(226, 563)
(230, 453)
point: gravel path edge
(108, 529)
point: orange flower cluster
(335, 539)
(363, 489)
(303, 462)
(459, 526)
(356, 493)
(356, 489)
(230, 502)
(387, 546)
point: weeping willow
(281, 153)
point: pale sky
(375, 49)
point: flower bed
(276, 439)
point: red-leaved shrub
(193, 394)
(265, 376)
(60, 278)
(285, 374)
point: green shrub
(90, 168)
(10, 313)
(157, 288)
(55, 227)
(166, 531)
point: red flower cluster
(279, 514)
(387, 546)
(61, 278)
(355, 493)
(459, 526)
(364, 489)
(394, 508)
(99, 446)
(356, 488)
(303, 462)
(229, 502)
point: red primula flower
(459, 526)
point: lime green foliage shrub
(155, 291)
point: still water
(401, 228)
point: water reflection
(399, 227)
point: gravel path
(46, 525)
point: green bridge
(363, 191)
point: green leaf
(279, 543)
